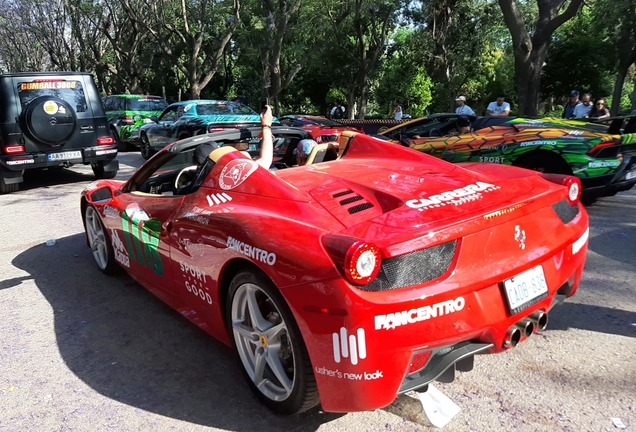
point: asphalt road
(80, 351)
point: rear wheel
(8, 187)
(545, 162)
(269, 344)
(100, 172)
(145, 149)
(99, 241)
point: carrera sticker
(578, 245)
(353, 347)
(251, 251)
(121, 255)
(236, 172)
(363, 376)
(50, 107)
(455, 197)
(412, 316)
(195, 280)
(218, 198)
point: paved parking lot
(80, 351)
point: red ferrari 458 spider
(351, 281)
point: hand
(266, 116)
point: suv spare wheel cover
(49, 120)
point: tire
(8, 188)
(545, 162)
(146, 151)
(99, 242)
(264, 332)
(49, 120)
(100, 172)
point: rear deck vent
(350, 200)
(343, 193)
(359, 208)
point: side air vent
(359, 208)
(343, 193)
(350, 200)
(350, 197)
(565, 211)
(414, 268)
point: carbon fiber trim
(565, 211)
(414, 268)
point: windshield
(322, 121)
(229, 108)
(147, 104)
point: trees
(531, 47)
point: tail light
(573, 185)
(15, 149)
(109, 140)
(212, 129)
(419, 360)
(360, 262)
(128, 121)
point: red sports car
(350, 281)
(320, 128)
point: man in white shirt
(582, 110)
(462, 108)
(499, 108)
(397, 112)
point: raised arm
(267, 146)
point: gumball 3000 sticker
(236, 172)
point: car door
(158, 135)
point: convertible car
(350, 281)
(601, 157)
(185, 119)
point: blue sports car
(195, 117)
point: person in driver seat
(461, 127)
(190, 181)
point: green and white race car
(127, 113)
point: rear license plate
(526, 289)
(65, 156)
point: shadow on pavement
(127, 345)
(593, 318)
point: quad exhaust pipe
(525, 328)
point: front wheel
(145, 149)
(269, 344)
(99, 242)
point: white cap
(461, 98)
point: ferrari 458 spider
(351, 281)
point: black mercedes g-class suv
(52, 119)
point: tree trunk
(618, 87)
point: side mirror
(154, 119)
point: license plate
(65, 156)
(526, 289)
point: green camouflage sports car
(127, 113)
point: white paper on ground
(438, 407)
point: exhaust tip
(526, 326)
(540, 321)
(513, 337)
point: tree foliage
(304, 54)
